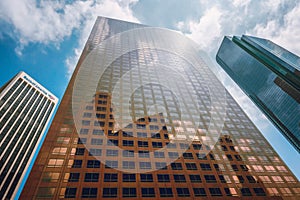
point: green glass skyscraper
(270, 76)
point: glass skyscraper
(25, 111)
(270, 76)
(144, 117)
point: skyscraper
(25, 110)
(144, 117)
(270, 76)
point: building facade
(270, 76)
(141, 118)
(25, 110)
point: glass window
(110, 177)
(146, 177)
(56, 162)
(73, 177)
(93, 164)
(157, 144)
(129, 192)
(59, 151)
(144, 154)
(148, 192)
(129, 178)
(201, 156)
(244, 167)
(77, 163)
(98, 132)
(199, 192)
(171, 145)
(63, 140)
(158, 154)
(142, 143)
(84, 131)
(235, 168)
(85, 122)
(141, 135)
(96, 141)
(112, 142)
(259, 191)
(191, 166)
(91, 177)
(238, 157)
(52, 176)
(81, 141)
(163, 177)
(229, 157)
(128, 164)
(195, 178)
(246, 192)
(128, 153)
(128, 143)
(251, 179)
(95, 152)
(176, 166)
(161, 165)
(111, 164)
(155, 135)
(197, 146)
(205, 167)
(79, 151)
(111, 152)
(230, 191)
(165, 192)
(179, 178)
(188, 156)
(183, 192)
(110, 192)
(215, 191)
(127, 134)
(173, 154)
(70, 192)
(89, 192)
(210, 178)
(184, 146)
(145, 165)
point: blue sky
(44, 38)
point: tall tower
(270, 76)
(25, 110)
(144, 117)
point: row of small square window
(110, 124)
(163, 192)
(194, 178)
(125, 134)
(97, 141)
(158, 165)
(146, 154)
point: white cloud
(51, 21)
(207, 29)
(240, 3)
(286, 34)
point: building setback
(166, 145)
(270, 76)
(25, 110)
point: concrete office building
(25, 110)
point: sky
(45, 38)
